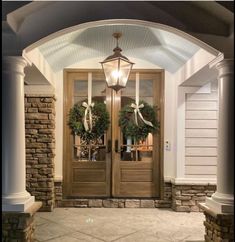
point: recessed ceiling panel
(159, 47)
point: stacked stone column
(40, 147)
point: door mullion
(109, 139)
(116, 105)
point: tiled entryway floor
(116, 224)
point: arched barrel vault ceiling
(159, 47)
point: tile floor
(119, 225)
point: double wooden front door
(112, 166)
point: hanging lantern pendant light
(117, 67)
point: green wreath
(128, 124)
(100, 121)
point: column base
(17, 205)
(19, 226)
(221, 203)
(219, 227)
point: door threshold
(114, 203)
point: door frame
(66, 133)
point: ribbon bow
(137, 111)
(87, 112)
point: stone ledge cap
(34, 208)
(193, 183)
(41, 95)
(213, 213)
(29, 212)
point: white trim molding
(35, 57)
(168, 179)
(58, 179)
(194, 181)
(215, 61)
(39, 89)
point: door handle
(116, 146)
(109, 148)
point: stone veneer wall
(181, 198)
(114, 202)
(185, 198)
(58, 193)
(40, 148)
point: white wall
(170, 126)
(169, 115)
(59, 91)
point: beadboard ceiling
(159, 47)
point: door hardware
(109, 146)
(116, 146)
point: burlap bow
(87, 112)
(137, 111)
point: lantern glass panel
(111, 72)
(124, 71)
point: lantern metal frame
(117, 56)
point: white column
(222, 200)
(14, 194)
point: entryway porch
(120, 225)
(195, 58)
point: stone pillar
(14, 194)
(20, 226)
(40, 147)
(219, 209)
(222, 200)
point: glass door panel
(87, 162)
(96, 149)
(130, 150)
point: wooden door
(138, 172)
(86, 168)
(115, 173)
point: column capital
(14, 64)
(17, 60)
(225, 67)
